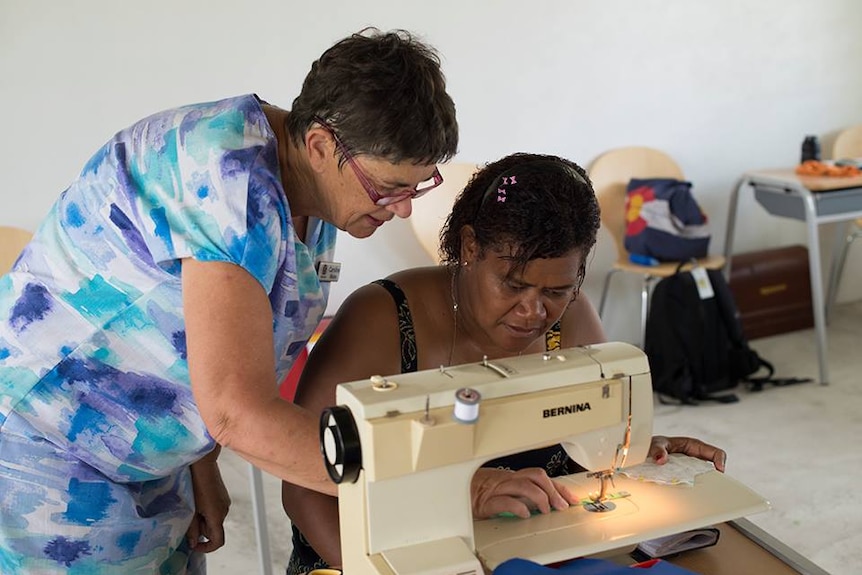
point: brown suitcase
(772, 290)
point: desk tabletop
(741, 548)
(813, 183)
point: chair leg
(645, 292)
(605, 293)
(837, 269)
(259, 512)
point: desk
(742, 548)
(814, 200)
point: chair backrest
(610, 174)
(12, 241)
(848, 144)
(430, 211)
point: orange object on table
(818, 168)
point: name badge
(328, 271)
(701, 280)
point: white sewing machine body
(409, 511)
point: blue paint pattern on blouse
(92, 337)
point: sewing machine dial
(339, 444)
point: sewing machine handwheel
(339, 444)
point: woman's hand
(662, 446)
(212, 501)
(496, 491)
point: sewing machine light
(340, 445)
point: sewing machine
(404, 450)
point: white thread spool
(466, 405)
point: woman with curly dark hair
(514, 252)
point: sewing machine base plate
(652, 510)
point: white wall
(722, 86)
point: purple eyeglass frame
(376, 197)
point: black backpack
(696, 347)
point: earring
(465, 264)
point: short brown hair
(384, 94)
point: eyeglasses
(379, 199)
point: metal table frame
(743, 547)
(788, 556)
(814, 200)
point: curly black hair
(543, 206)
(384, 94)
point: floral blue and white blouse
(97, 421)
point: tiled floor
(797, 446)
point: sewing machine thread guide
(500, 370)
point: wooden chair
(848, 144)
(610, 174)
(12, 241)
(430, 211)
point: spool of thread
(467, 405)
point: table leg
(815, 277)
(731, 225)
(817, 299)
(839, 255)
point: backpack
(695, 345)
(664, 221)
